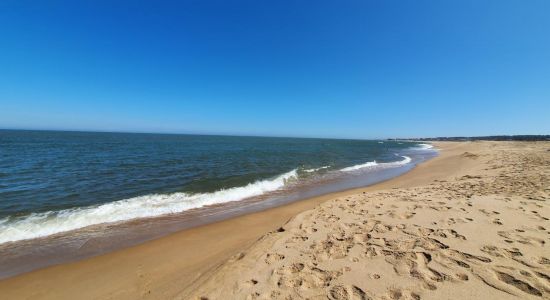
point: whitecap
(374, 164)
(47, 223)
(316, 169)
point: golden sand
(471, 223)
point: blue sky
(349, 69)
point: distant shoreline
(525, 138)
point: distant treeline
(484, 138)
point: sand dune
(481, 232)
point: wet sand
(410, 237)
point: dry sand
(480, 233)
(469, 224)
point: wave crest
(48, 223)
(361, 166)
(373, 164)
(424, 146)
(316, 169)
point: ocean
(62, 190)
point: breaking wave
(424, 146)
(316, 169)
(47, 223)
(374, 164)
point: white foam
(424, 146)
(361, 166)
(316, 169)
(374, 164)
(402, 162)
(48, 223)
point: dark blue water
(56, 181)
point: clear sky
(359, 69)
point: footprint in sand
(273, 257)
(340, 292)
(374, 276)
(517, 283)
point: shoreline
(478, 231)
(177, 264)
(23, 256)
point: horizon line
(187, 133)
(266, 136)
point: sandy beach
(471, 223)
